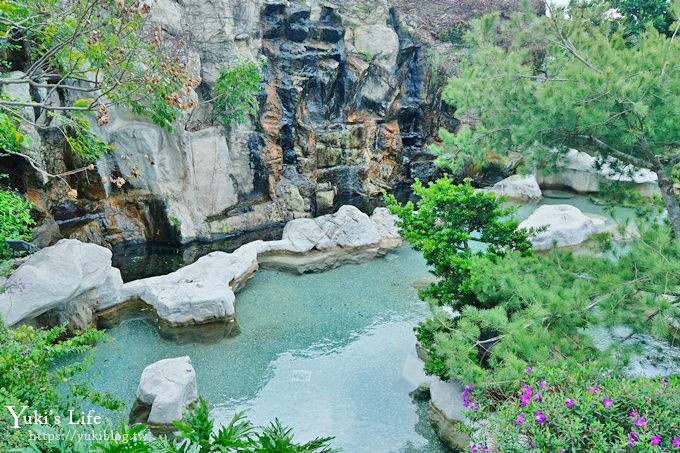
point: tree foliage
(540, 309)
(15, 220)
(80, 58)
(445, 223)
(543, 85)
(235, 91)
(40, 369)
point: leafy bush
(39, 369)
(15, 220)
(240, 435)
(195, 435)
(448, 219)
(582, 409)
(235, 90)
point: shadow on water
(149, 259)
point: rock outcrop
(203, 292)
(446, 413)
(346, 109)
(165, 389)
(75, 281)
(348, 236)
(578, 171)
(518, 188)
(71, 277)
(565, 225)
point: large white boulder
(168, 386)
(347, 228)
(518, 188)
(577, 170)
(198, 293)
(565, 225)
(64, 273)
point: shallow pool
(328, 354)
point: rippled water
(328, 354)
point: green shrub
(235, 93)
(196, 434)
(581, 409)
(39, 369)
(15, 220)
(445, 222)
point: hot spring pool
(328, 354)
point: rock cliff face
(346, 109)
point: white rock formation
(518, 188)
(78, 281)
(565, 225)
(168, 386)
(68, 272)
(578, 172)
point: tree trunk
(670, 200)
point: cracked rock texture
(347, 106)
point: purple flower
(469, 387)
(632, 437)
(475, 406)
(664, 383)
(560, 451)
(569, 402)
(473, 448)
(528, 370)
(676, 442)
(607, 403)
(633, 413)
(542, 384)
(592, 389)
(520, 418)
(537, 396)
(639, 421)
(485, 448)
(655, 440)
(539, 417)
(532, 444)
(25, 351)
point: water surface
(328, 354)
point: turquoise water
(328, 354)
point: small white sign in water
(302, 375)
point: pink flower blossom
(639, 421)
(655, 440)
(520, 418)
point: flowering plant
(580, 409)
